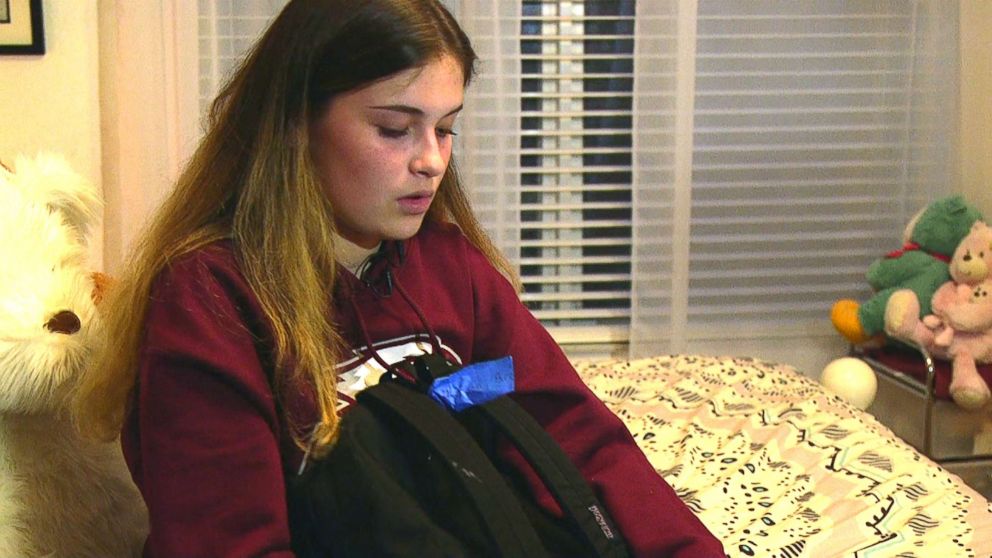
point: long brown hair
(251, 180)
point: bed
(776, 467)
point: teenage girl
(320, 230)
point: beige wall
(104, 95)
(976, 103)
(51, 102)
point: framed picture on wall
(21, 29)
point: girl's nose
(429, 162)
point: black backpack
(409, 478)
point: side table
(912, 401)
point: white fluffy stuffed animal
(60, 495)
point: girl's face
(381, 150)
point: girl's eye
(392, 133)
(445, 132)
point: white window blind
(806, 134)
(575, 159)
(561, 123)
(227, 29)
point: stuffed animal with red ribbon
(920, 265)
(960, 327)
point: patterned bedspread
(776, 467)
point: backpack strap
(561, 477)
(490, 495)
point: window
(775, 149)
(683, 174)
(803, 148)
(227, 29)
(570, 187)
(575, 157)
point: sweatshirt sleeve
(204, 433)
(655, 522)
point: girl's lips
(416, 204)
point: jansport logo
(598, 516)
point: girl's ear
(48, 179)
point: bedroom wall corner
(976, 103)
(51, 102)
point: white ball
(852, 379)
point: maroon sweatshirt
(208, 446)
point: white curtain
(664, 62)
(487, 148)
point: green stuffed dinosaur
(921, 266)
